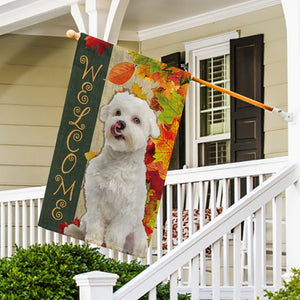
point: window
(214, 112)
(208, 110)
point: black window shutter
(246, 77)
(178, 155)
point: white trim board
(206, 18)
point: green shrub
(290, 291)
(46, 272)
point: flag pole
(287, 116)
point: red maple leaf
(94, 43)
(150, 151)
(76, 222)
(176, 77)
(62, 227)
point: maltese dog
(115, 180)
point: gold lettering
(86, 87)
(71, 157)
(62, 185)
(84, 60)
(77, 136)
(56, 213)
(79, 115)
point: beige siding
(33, 80)
(270, 22)
(34, 74)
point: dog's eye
(136, 120)
(118, 113)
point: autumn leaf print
(121, 73)
(94, 43)
(171, 108)
(137, 90)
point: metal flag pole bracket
(285, 115)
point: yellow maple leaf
(137, 90)
(90, 155)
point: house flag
(118, 128)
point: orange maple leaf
(159, 166)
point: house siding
(35, 72)
(34, 76)
(270, 22)
(33, 80)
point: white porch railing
(188, 191)
(253, 206)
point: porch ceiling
(143, 19)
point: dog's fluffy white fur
(115, 180)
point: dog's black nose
(122, 124)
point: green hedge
(290, 290)
(47, 271)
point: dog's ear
(104, 112)
(154, 129)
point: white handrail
(231, 170)
(22, 194)
(210, 233)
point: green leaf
(171, 108)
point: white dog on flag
(115, 180)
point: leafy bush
(47, 271)
(290, 291)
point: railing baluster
(216, 277)
(40, 230)
(149, 253)
(277, 241)
(64, 239)
(2, 224)
(48, 239)
(169, 217)
(24, 224)
(32, 222)
(263, 245)
(202, 222)
(237, 276)
(224, 204)
(17, 223)
(258, 257)
(179, 228)
(9, 228)
(190, 208)
(194, 281)
(121, 256)
(152, 294)
(249, 229)
(159, 231)
(55, 237)
(263, 240)
(213, 199)
(191, 221)
(173, 286)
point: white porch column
(104, 17)
(292, 18)
(96, 285)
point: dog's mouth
(116, 129)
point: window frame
(195, 51)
